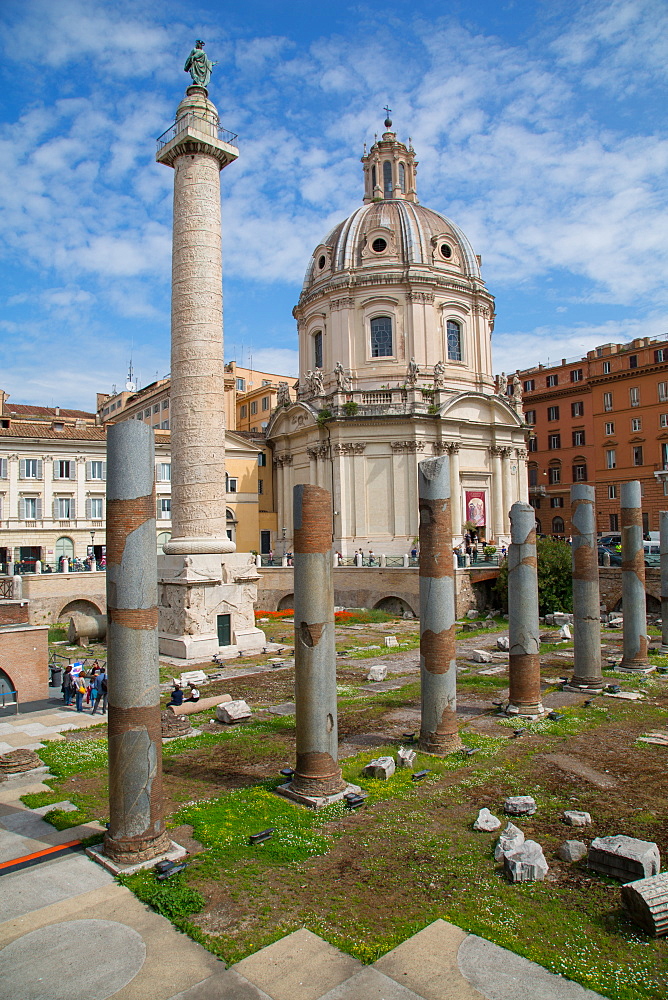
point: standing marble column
(663, 544)
(455, 490)
(508, 498)
(524, 639)
(497, 493)
(317, 773)
(136, 828)
(633, 580)
(586, 597)
(438, 663)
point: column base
(174, 852)
(135, 850)
(584, 684)
(525, 711)
(636, 668)
(439, 745)
(315, 801)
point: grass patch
(64, 820)
(173, 898)
(65, 758)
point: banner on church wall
(476, 507)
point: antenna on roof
(130, 385)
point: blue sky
(539, 129)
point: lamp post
(93, 560)
(284, 534)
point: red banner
(475, 507)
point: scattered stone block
(661, 739)
(624, 858)
(377, 672)
(172, 725)
(391, 640)
(492, 670)
(480, 656)
(487, 821)
(519, 805)
(560, 618)
(527, 864)
(233, 711)
(572, 850)
(624, 695)
(405, 757)
(574, 817)
(511, 840)
(646, 902)
(565, 632)
(503, 643)
(16, 761)
(381, 767)
(472, 614)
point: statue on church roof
(198, 65)
(344, 382)
(439, 372)
(412, 372)
(502, 384)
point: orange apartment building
(601, 420)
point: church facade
(394, 324)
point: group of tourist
(79, 688)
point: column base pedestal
(642, 668)
(525, 711)
(439, 746)
(315, 801)
(171, 852)
(135, 852)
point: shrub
(555, 582)
(350, 408)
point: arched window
(533, 475)
(381, 337)
(387, 179)
(402, 177)
(230, 525)
(539, 527)
(557, 525)
(373, 179)
(163, 537)
(64, 547)
(454, 332)
(317, 349)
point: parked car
(615, 557)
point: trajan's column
(206, 590)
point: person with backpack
(100, 691)
(80, 691)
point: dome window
(381, 337)
(317, 349)
(387, 179)
(322, 260)
(446, 251)
(454, 333)
(379, 245)
(402, 178)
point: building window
(554, 475)
(663, 391)
(580, 473)
(454, 335)
(634, 396)
(402, 178)
(241, 384)
(262, 458)
(636, 424)
(633, 361)
(614, 522)
(554, 441)
(165, 404)
(381, 337)
(253, 407)
(637, 454)
(576, 375)
(530, 385)
(95, 470)
(164, 508)
(147, 413)
(164, 425)
(553, 413)
(556, 501)
(533, 443)
(611, 459)
(95, 511)
(607, 400)
(578, 439)
(535, 502)
(29, 511)
(243, 411)
(30, 468)
(663, 420)
(664, 455)
(232, 483)
(577, 409)
(665, 487)
(64, 469)
(63, 508)
(265, 402)
(661, 355)
(557, 526)
(610, 427)
(551, 381)
(163, 472)
(612, 491)
(387, 179)
(156, 407)
(530, 417)
(260, 486)
(533, 475)
(317, 349)
(606, 367)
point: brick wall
(13, 612)
(24, 657)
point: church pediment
(479, 407)
(289, 419)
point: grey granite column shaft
(633, 580)
(438, 664)
(136, 828)
(317, 772)
(586, 596)
(524, 639)
(663, 545)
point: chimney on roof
(57, 411)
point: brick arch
(394, 605)
(83, 605)
(286, 602)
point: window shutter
(89, 506)
(89, 470)
(73, 469)
(104, 470)
(55, 509)
(3, 468)
(22, 509)
(22, 469)
(73, 508)
(157, 510)
(56, 470)
(38, 509)
(0, 508)
(40, 465)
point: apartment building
(600, 419)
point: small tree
(555, 581)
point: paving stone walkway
(129, 952)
